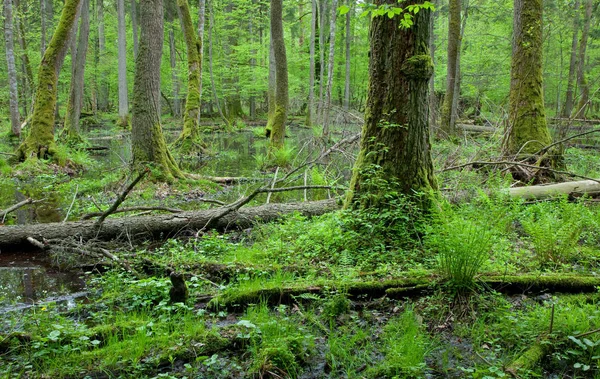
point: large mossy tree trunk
(148, 142)
(40, 141)
(395, 148)
(191, 116)
(448, 106)
(71, 129)
(527, 129)
(281, 76)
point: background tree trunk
(43, 27)
(281, 90)
(102, 83)
(201, 23)
(568, 109)
(15, 120)
(210, 65)
(322, 9)
(311, 73)
(77, 82)
(584, 89)
(148, 143)
(452, 69)
(134, 27)
(40, 141)
(327, 106)
(527, 130)
(27, 81)
(174, 72)
(272, 87)
(395, 148)
(348, 42)
(122, 40)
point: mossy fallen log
(530, 359)
(15, 236)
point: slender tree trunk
(584, 89)
(433, 104)
(174, 74)
(527, 130)
(322, 9)
(252, 99)
(210, 66)
(201, 22)
(122, 40)
(327, 107)
(566, 112)
(71, 128)
(271, 88)
(281, 91)
(27, 81)
(311, 75)
(194, 57)
(134, 27)
(40, 141)
(348, 44)
(395, 147)
(148, 143)
(43, 27)
(452, 68)
(458, 79)
(102, 84)
(15, 119)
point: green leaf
(343, 10)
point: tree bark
(40, 141)
(311, 74)
(281, 74)
(158, 225)
(348, 43)
(527, 130)
(71, 128)
(102, 83)
(395, 149)
(122, 41)
(174, 73)
(43, 27)
(27, 81)
(452, 69)
(148, 143)
(322, 8)
(15, 122)
(201, 23)
(271, 87)
(327, 106)
(134, 26)
(433, 103)
(568, 109)
(584, 89)
(210, 65)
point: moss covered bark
(395, 148)
(40, 141)
(279, 117)
(527, 128)
(194, 56)
(148, 142)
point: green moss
(418, 67)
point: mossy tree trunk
(448, 107)
(40, 141)
(527, 129)
(194, 57)
(73, 114)
(395, 147)
(584, 88)
(148, 143)
(566, 112)
(281, 76)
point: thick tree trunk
(527, 130)
(159, 225)
(71, 128)
(566, 112)
(194, 57)
(40, 141)
(348, 42)
(584, 89)
(148, 142)
(327, 106)
(174, 74)
(452, 69)
(15, 120)
(281, 74)
(134, 26)
(310, 109)
(122, 40)
(395, 148)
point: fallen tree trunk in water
(159, 225)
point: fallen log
(476, 128)
(546, 191)
(158, 225)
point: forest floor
(490, 288)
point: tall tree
(122, 65)
(40, 141)
(527, 130)
(102, 82)
(584, 89)
(148, 142)
(453, 66)
(327, 106)
(311, 74)
(174, 71)
(134, 27)
(348, 44)
(71, 128)
(281, 76)
(194, 58)
(395, 147)
(15, 122)
(322, 9)
(568, 108)
(27, 81)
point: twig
(546, 148)
(36, 243)
(72, 202)
(121, 198)
(518, 164)
(587, 333)
(15, 207)
(305, 182)
(273, 184)
(8, 154)
(552, 319)
(132, 209)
